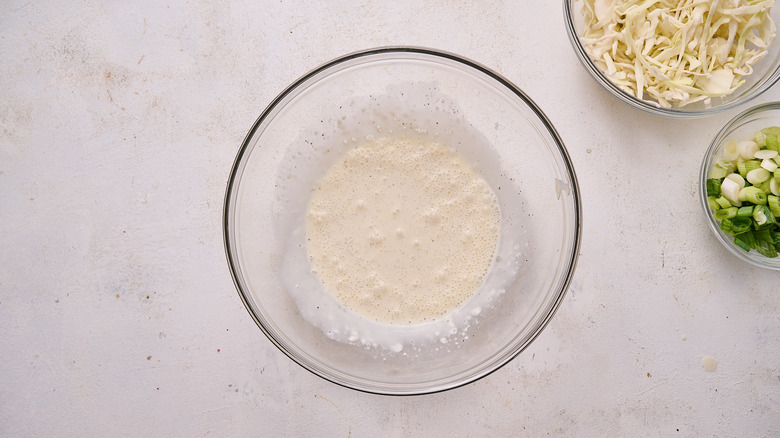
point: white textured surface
(118, 125)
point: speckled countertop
(119, 122)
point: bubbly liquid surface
(402, 230)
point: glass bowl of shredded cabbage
(739, 185)
(678, 58)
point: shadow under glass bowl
(766, 73)
(741, 127)
(491, 122)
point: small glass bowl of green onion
(740, 185)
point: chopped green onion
(765, 243)
(742, 168)
(730, 190)
(760, 139)
(774, 187)
(747, 149)
(713, 187)
(736, 225)
(753, 194)
(731, 149)
(764, 187)
(762, 217)
(726, 213)
(773, 202)
(772, 138)
(723, 202)
(744, 240)
(757, 176)
(764, 154)
(765, 235)
(718, 172)
(730, 166)
(741, 223)
(749, 172)
(746, 211)
(752, 165)
(772, 142)
(766, 251)
(737, 179)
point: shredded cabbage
(677, 52)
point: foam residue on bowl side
(408, 110)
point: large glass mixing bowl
(385, 92)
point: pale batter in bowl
(402, 230)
